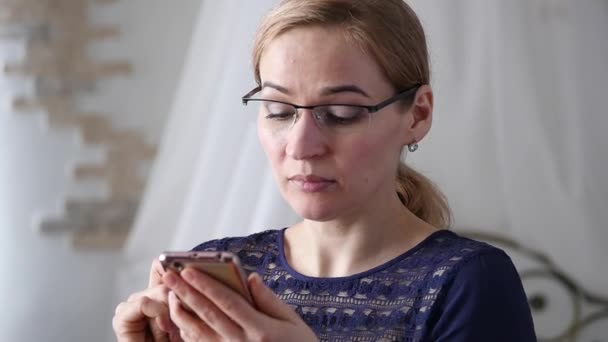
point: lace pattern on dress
(392, 302)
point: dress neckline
(283, 259)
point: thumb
(267, 302)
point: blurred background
(122, 135)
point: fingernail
(172, 297)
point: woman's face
(323, 175)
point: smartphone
(222, 266)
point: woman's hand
(145, 315)
(220, 314)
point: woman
(343, 89)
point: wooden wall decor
(57, 33)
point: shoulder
(480, 285)
(469, 262)
(447, 253)
(456, 261)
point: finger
(141, 308)
(156, 273)
(158, 334)
(190, 327)
(268, 302)
(131, 318)
(124, 322)
(204, 308)
(232, 304)
(174, 336)
(158, 293)
(162, 324)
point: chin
(314, 210)
(320, 207)
(317, 217)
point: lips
(309, 178)
(311, 183)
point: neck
(355, 243)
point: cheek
(370, 160)
(272, 148)
(365, 151)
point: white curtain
(210, 178)
(517, 143)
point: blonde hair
(388, 30)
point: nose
(305, 139)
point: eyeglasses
(338, 118)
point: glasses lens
(339, 119)
(342, 119)
(277, 116)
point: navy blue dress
(447, 288)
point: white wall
(48, 291)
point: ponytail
(422, 197)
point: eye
(340, 115)
(277, 110)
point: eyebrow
(283, 90)
(347, 88)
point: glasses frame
(371, 109)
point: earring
(413, 147)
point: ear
(420, 115)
